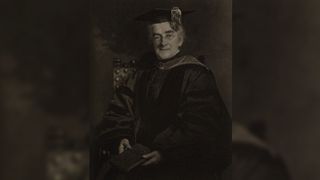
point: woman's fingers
(124, 144)
(149, 155)
(152, 158)
(150, 161)
(121, 148)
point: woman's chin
(165, 55)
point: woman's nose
(164, 42)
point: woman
(173, 107)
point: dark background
(276, 77)
(49, 77)
(44, 74)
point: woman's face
(166, 41)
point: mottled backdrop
(276, 77)
(44, 74)
(45, 58)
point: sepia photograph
(159, 90)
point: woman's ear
(180, 38)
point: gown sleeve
(202, 127)
(118, 120)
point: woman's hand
(153, 158)
(124, 145)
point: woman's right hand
(124, 145)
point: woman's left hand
(153, 158)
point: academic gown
(174, 107)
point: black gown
(173, 107)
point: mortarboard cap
(163, 15)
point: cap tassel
(176, 15)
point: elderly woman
(173, 107)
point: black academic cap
(159, 15)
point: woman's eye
(156, 37)
(169, 36)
